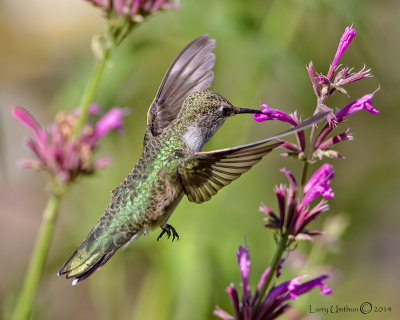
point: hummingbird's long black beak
(245, 110)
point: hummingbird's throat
(194, 138)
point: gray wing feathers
(190, 71)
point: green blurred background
(262, 50)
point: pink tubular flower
(111, 120)
(294, 213)
(319, 185)
(133, 8)
(336, 139)
(58, 152)
(344, 42)
(275, 301)
(274, 114)
(313, 78)
(346, 76)
(363, 103)
(26, 119)
(244, 266)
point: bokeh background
(262, 49)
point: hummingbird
(182, 118)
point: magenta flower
(363, 103)
(295, 213)
(346, 76)
(318, 185)
(344, 42)
(344, 136)
(325, 86)
(275, 302)
(58, 152)
(133, 8)
(314, 79)
(112, 120)
(274, 114)
(244, 266)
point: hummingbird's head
(202, 114)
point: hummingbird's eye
(225, 110)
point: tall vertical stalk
(38, 257)
(90, 91)
(282, 245)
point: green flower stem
(115, 35)
(303, 177)
(308, 154)
(90, 91)
(282, 245)
(43, 241)
(38, 257)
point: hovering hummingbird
(182, 118)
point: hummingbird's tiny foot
(168, 230)
(162, 233)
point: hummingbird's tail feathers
(89, 257)
(85, 270)
(190, 71)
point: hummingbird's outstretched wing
(204, 173)
(190, 71)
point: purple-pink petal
(38, 149)
(315, 283)
(303, 236)
(319, 184)
(133, 7)
(322, 206)
(102, 162)
(336, 139)
(262, 280)
(26, 119)
(273, 114)
(280, 195)
(222, 314)
(232, 292)
(291, 178)
(293, 285)
(294, 288)
(279, 267)
(313, 78)
(283, 288)
(244, 267)
(363, 103)
(347, 77)
(93, 109)
(111, 120)
(61, 154)
(271, 218)
(344, 43)
(28, 163)
(290, 146)
(331, 119)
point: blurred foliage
(262, 49)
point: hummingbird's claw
(168, 230)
